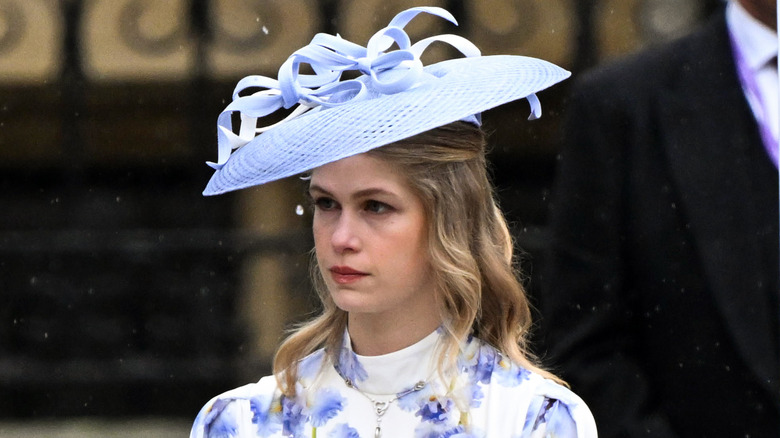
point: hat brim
(465, 86)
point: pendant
(380, 407)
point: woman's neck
(373, 335)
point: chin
(351, 301)
(351, 305)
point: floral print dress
(401, 394)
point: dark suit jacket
(660, 298)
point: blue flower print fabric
(486, 396)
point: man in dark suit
(660, 300)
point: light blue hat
(396, 97)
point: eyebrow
(372, 191)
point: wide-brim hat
(395, 98)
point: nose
(345, 233)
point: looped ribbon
(329, 56)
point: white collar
(757, 41)
(414, 363)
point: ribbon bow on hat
(329, 56)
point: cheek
(320, 240)
(319, 248)
(413, 249)
(319, 232)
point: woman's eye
(377, 207)
(324, 203)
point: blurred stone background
(127, 299)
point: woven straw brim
(465, 86)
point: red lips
(345, 274)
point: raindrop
(299, 210)
(265, 30)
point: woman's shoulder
(229, 412)
(542, 405)
(526, 396)
(557, 410)
(245, 408)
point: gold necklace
(381, 406)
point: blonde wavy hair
(470, 248)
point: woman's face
(370, 235)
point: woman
(423, 327)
